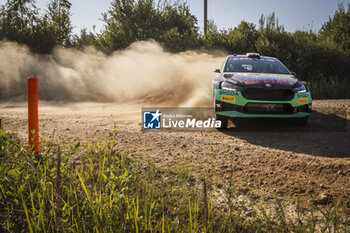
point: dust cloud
(142, 73)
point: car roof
(235, 55)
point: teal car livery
(254, 86)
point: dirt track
(311, 161)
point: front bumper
(234, 104)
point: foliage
(20, 21)
(336, 29)
(97, 188)
(58, 23)
(84, 39)
(89, 189)
(322, 56)
(239, 40)
(129, 20)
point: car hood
(261, 80)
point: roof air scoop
(253, 55)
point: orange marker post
(33, 121)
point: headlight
(229, 86)
(300, 89)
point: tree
(274, 41)
(126, 21)
(57, 22)
(337, 28)
(132, 20)
(239, 40)
(84, 39)
(21, 22)
(215, 38)
(178, 31)
(17, 20)
(242, 38)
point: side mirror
(217, 71)
(293, 73)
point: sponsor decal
(258, 79)
(252, 82)
(302, 95)
(303, 100)
(227, 92)
(228, 98)
(250, 59)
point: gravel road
(274, 159)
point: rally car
(254, 86)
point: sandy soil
(278, 161)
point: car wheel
(239, 122)
(224, 121)
(301, 121)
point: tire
(239, 122)
(224, 121)
(300, 122)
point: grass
(97, 188)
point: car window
(255, 65)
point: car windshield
(255, 65)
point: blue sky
(293, 14)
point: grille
(230, 107)
(261, 108)
(268, 94)
(257, 108)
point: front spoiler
(245, 115)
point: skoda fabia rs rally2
(254, 86)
